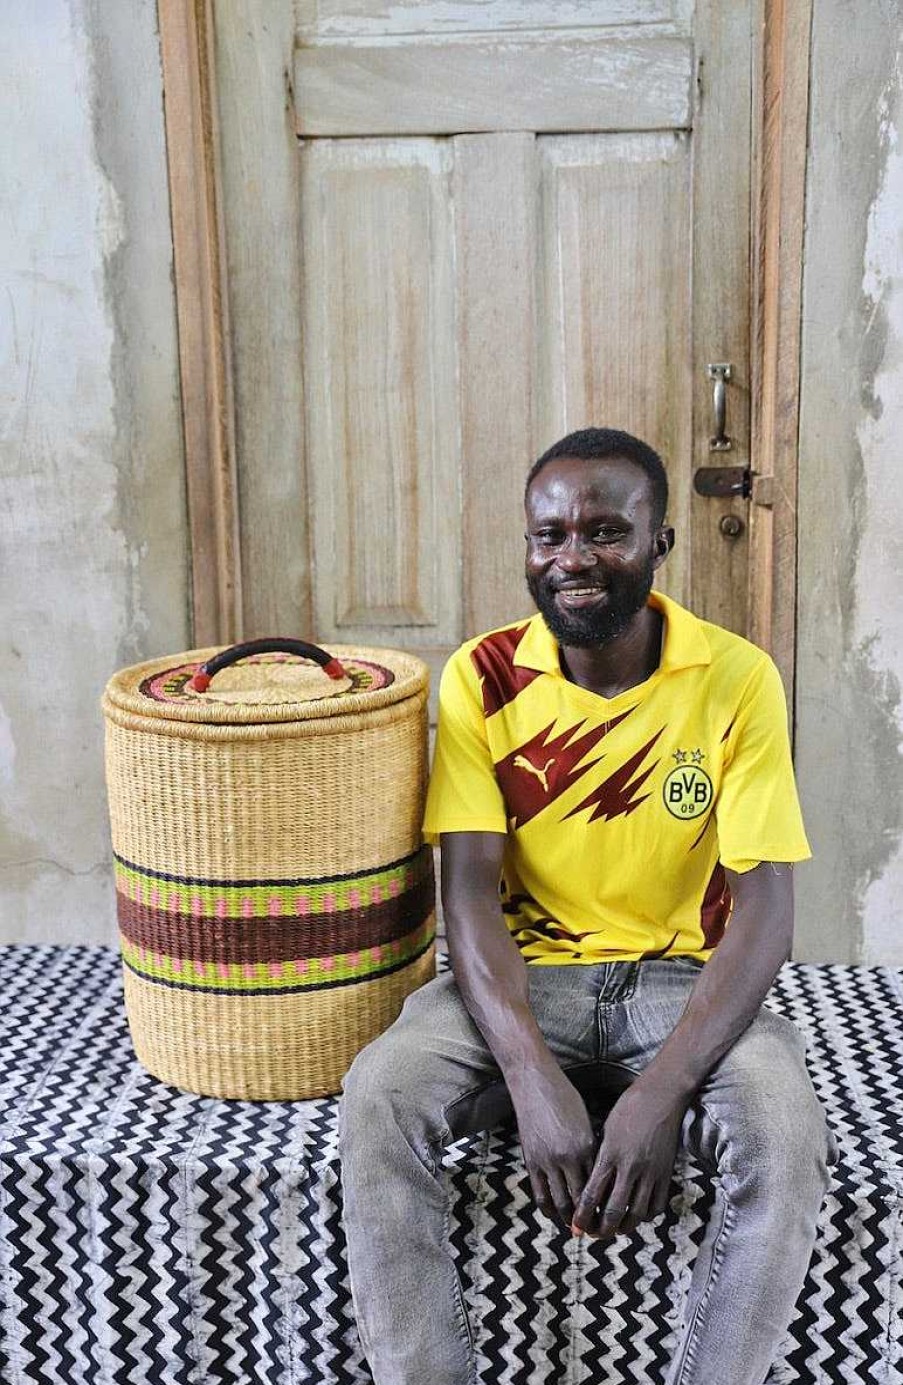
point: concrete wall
(849, 761)
(93, 546)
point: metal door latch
(723, 481)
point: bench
(148, 1235)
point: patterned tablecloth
(147, 1235)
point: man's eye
(549, 538)
(608, 534)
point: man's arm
(554, 1127)
(636, 1158)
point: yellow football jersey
(620, 814)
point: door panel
(496, 261)
(430, 85)
(379, 350)
(615, 296)
(450, 275)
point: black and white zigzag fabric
(150, 1237)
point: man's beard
(584, 629)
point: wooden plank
(262, 214)
(782, 108)
(349, 18)
(721, 296)
(495, 216)
(615, 301)
(190, 109)
(459, 85)
(379, 338)
(436, 656)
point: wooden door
(455, 232)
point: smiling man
(615, 801)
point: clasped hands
(606, 1192)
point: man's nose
(576, 554)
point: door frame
(197, 38)
(202, 301)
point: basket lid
(272, 680)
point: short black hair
(598, 444)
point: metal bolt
(731, 526)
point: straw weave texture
(264, 1048)
(305, 798)
(275, 902)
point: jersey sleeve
(757, 811)
(463, 794)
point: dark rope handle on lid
(201, 680)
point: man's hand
(557, 1141)
(555, 1130)
(636, 1159)
(634, 1165)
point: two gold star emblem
(695, 757)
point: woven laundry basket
(275, 903)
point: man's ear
(664, 542)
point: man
(614, 797)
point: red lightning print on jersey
(536, 773)
(500, 678)
(615, 795)
(716, 907)
(659, 952)
(707, 822)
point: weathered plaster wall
(93, 546)
(850, 669)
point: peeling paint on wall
(93, 540)
(878, 625)
(7, 749)
(849, 763)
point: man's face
(592, 547)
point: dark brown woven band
(275, 939)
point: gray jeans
(756, 1123)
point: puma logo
(521, 762)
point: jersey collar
(685, 640)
